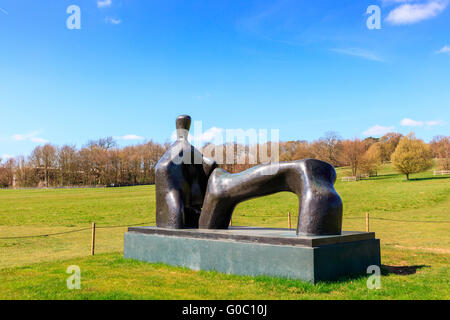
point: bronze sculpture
(192, 192)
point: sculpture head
(183, 124)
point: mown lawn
(109, 276)
(415, 250)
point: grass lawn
(415, 251)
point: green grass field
(415, 247)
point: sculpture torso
(181, 179)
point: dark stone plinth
(256, 251)
(278, 236)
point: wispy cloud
(104, 3)
(112, 20)
(33, 137)
(444, 49)
(406, 122)
(412, 13)
(6, 156)
(130, 137)
(434, 123)
(359, 53)
(391, 2)
(202, 96)
(255, 22)
(378, 130)
(411, 123)
(38, 140)
(4, 11)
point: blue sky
(303, 67)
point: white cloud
(104, 3)
(389, 2)
(210, 135)
(38, 140)
(113, 20)
(444, 49)
(130, 137)
(434, 123)
(359, 53)
(19, 137)
(6, 156)
(378, 130)
(29, 137)
(413, 123)
(412, 13)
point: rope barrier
(398, 220)
(138, 224)
(124, 225)
(70, 231)
(345, 218)
(45, 235)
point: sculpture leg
(217, 207)
(320, 207)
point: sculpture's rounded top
(183, 124)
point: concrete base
(256, 251)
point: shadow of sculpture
(401, 270)
(192, 192)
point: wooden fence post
(93, 239)
(367, 222)
(289, 219)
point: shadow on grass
(428, 178)
(381, 176)
(401, 270)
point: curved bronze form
(192, 192)
(320, 207)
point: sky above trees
(303, 67)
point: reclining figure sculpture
(192, 192)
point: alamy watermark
(74, 20)
(228, 146)
(374, 20)
(73, 281)
(374, 281)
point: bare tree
(440, 148)
(332, 142)
(67, 159)
(352, 154)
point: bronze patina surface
(192, 192)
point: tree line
(102, 163)
(407, 154)
(99, 163)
